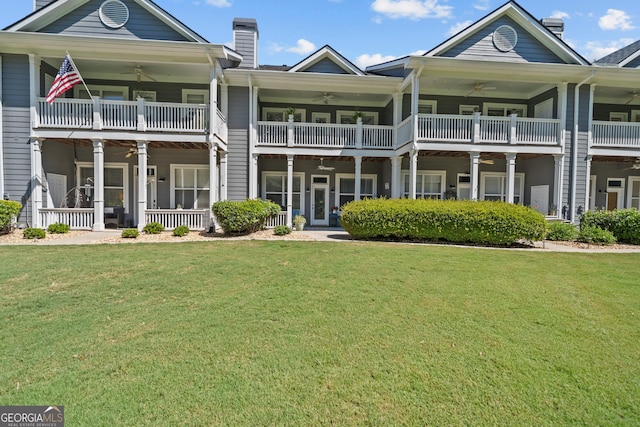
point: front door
(152, 189)
(319, 200)
(615, 193)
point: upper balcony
(133, 116)
(615, 135)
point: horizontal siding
(42, 3)
(238, 144)
(480, 46)
(326, 66)
(244, 45)
(85, 20)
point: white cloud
(303, 47)
(363, 61)
(560, 15)
(275, 47)
(377, 19)
(418, 52)
(456, 28)
(482, 5)
(615, 20)
(597, 50)
(412, 9)
(219, 3)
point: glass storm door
(319, 200)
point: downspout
(251, 138)
(574, 143)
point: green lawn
(300, 333)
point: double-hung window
(190, 186)
(115, 185)
(346, 187)
(493, 186)
(274, 188)
(429, 184)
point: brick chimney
(245, 41)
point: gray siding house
(169, 123)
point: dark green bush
(34, 233)
(596, 235)
(495, 223)
(130, 233)
(561, 231)
(153, 228)
(58, 228)
(281, 230)
(8, 211)
(245, 216)
(181, 231)
(623, 223)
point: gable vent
(114, 13)
(505, 38)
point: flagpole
(78, 71)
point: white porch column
(2, 192)
(36, 181)
(223, 175)
(562, 113)
(213, 101)
(34, 88)
(587, 196)
(213, 180)
(142, 184)
(396, 177)
(98, 184)
(474, 171)
(253, 176)
(397, 116)
(289, 190)
(253, 158)
(558, 169)
(224, 106)
(415, 97)
(511, 176)
(413, 173)
(358, 179)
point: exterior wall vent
(505, 38)
(114, 13)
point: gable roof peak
(330, 53)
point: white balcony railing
(280, 219)
(137, 115)
(483, 129)
(616, 134)
(76, 218)
(324, 134)
(195, 219)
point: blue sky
(372, 31)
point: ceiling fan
(635, 165)
(133, 151)
(479, 87)
(325, 98)
(322, 167)
(634, 96)
(140, 73)
(486, 161)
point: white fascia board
(106, 48)
(326, 52)
(171, 21)
(395, 63)
(630, 58)
(46, 16)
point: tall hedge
(623, 223)
(8, 210)
(494, 223)
(245, 216)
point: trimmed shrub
(623, 223)
(596, 235)
(130, 233)
(34, 233)
(561, 231)
(58, 228)
(181, 231)
(153, 228)
(247, 216)
(9, 210)
(281, 230)
(494, 223)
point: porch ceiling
(325, 97)
(133, 143)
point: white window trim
(148, 95)
(484, 175)
(340, 176)
(617, 116)
(462, 185)
(505, 107)
(635, 116)
(351, 113)
(187, 92)
(97, 90)
(172, 170)
(433, 103)
(420, 174)
(267, 110)
(467, 109)
(265, 174)
(630, 195)
(317, 115)
(125, 178)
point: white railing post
(513, 137)
(290, 133)
(142, 123)
(359, 133)
(476, 127)
(97, 116)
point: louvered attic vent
(505, 38)
(114, 13)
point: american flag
(66, 79)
